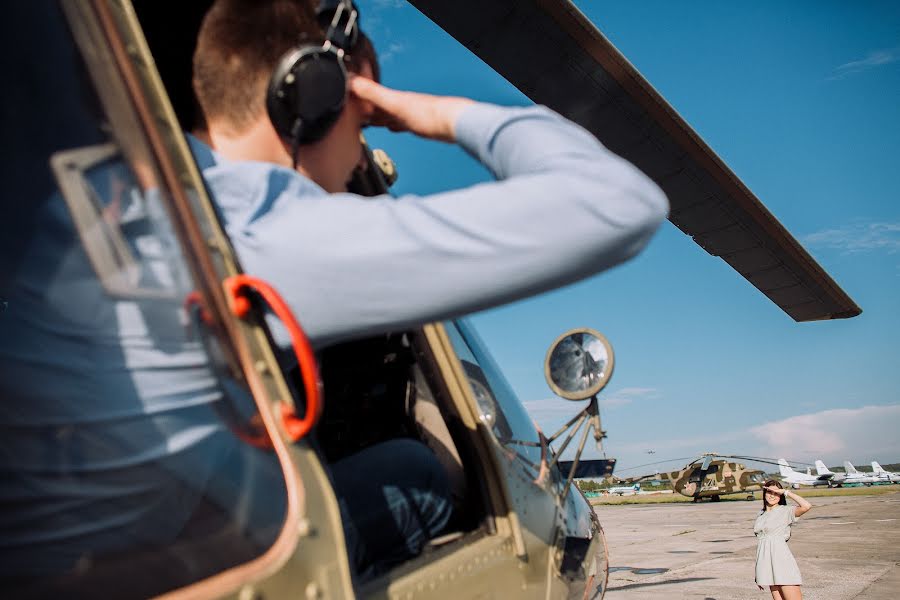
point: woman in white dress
(775, 565)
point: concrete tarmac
(846, 547)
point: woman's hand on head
(775, 490)
(432, 117)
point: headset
(308, 87)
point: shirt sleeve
(563, 208)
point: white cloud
(858, 237)
(393, 49)
(874, 59)
(859, 435)
(376, 18)
(862, 434)
(627, 396)
(551, 410)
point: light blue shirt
(109, 404)
(563, 208)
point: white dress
(775, 565)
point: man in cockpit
(83, 373)
(563, 207)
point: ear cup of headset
(306, 94)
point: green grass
(805, 492)
(660, 499)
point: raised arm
(803, 504)
(564, 208)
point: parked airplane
(854, 476)
(622, 490)
(795, 479)
(883, 475)
(837, 479)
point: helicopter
(711, 475)
(97, 102)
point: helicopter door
(133, 454)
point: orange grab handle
(296, 427)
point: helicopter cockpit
(148, 427)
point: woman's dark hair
(773, 483)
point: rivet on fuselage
(312, 591)
(247, 593)
(303, 527)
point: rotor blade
(771, 461)
(659, 462)
(642, 478)
(557, 57)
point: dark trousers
(394, 497)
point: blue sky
(802, 101)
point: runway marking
(884, 520)
(842, 523)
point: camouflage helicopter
(97, 170)
(711, 476)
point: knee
(411, 462)
(429, 467)
(425, 477)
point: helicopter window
(499, 408)
(131, 460)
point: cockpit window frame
(108, 36)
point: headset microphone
(308, 87)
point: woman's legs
(776, 592)
(791, 592)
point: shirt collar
(203, 154)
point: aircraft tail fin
(821, 469)
(848, 466)
(784, 468)
(876, 468)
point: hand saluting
(428, 116)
